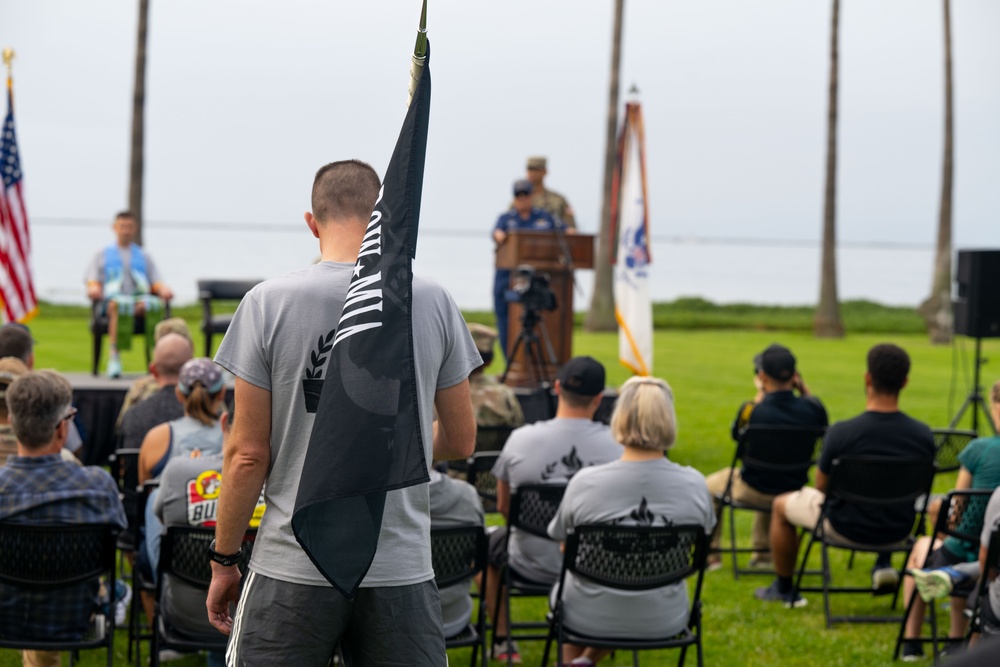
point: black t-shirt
(779, 408)
(875, 434)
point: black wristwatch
(224, 559)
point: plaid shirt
(48, 490)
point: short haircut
(574, 400)
(36, 402)
(15, 341)
(888, 366)
(172, 351)
(644, 416)
(345, 189)
(125, 214)
(487, 357)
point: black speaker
(977, 306)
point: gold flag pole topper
(8, 60)
(419, 54)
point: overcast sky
(245, 99)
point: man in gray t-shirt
(275, 347)
(548, 452)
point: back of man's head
(37, 402)
(580, 380)
(171, 352)
(888, 366)
(344, 190)
(15, 341)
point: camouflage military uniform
(554, 204)
(494, 404)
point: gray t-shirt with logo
(643, 493)
(549, 452)
(272, 344)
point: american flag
(17, 292)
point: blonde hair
(200, 404)
(644, 416)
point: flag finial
(419, 54)
(8, 59)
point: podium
(556, 254)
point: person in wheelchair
(643, 488)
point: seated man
(172, 351)
(493, 403)
(882, 430)
(547, 452)
(188, 496)
(125, 278)
(38, 487)
(775, 403)
(454, 504)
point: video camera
(531, 290)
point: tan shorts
(802, 507)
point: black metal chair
(219, 290)
(873, 481)
(124, 466)
(986, 579)
(99, 329)
(480, 475)
(183, 556)
(532, 507)
(961, 516)
(785, 453)
(948, 444)
(633, 558)
(488, 439)
(458, 555)
(44, 561)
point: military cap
(483, 336)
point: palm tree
(936, 309)
(827, 322)
(601, 316)
(136, 160)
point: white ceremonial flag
(633, 308)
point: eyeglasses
(522, 194)
(69, 414)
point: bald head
(171, 352)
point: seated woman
(641, 488)
(980, 470)
(200, 388)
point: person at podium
(522, 216)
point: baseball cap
(522, 186)
(483, 336)
(200, 369)
(777, 362)
(582, 375)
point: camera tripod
(975, 401)
(533, 350)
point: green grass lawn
(710, 372)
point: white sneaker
(123, 595)
(884, 580)
(114, 369)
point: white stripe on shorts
(232, 651)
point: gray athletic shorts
(280, 623)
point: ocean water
(720, 270)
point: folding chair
(785, 453)
(458, 554)
(99, 328)
(488, 439)
(140, 583)
(961, 516)
(878, 482)
(219, 290)
(532, 507)
(948, 444)
(985, 579)
(43, 561)
(632, 558)
(480, 475)
(183, 557)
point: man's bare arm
(246, 457)
(503, 498)
(455, 436)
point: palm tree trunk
(136, 159)
(601, 316)
(936, 309)
(827, 323)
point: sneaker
(713, 564)
(123, 595)
(931, 584)
(582, 662)
(762, 562)
(884, 580)
(114, 369)
(772, 594)
(506, 649)
(169, 655)
(912, 651)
